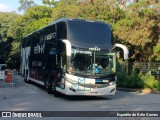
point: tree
(65, 10)
(26, 4)
(139, 29)
(6, 38)
(5, 20)
(38, 12)
(135, 23)
(37, 24)
(157, 51)
(68, 1)
(35, 18)
(49, 2)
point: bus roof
(86, 34)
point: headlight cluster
(112, 83)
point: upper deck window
(85, 33)
(61, 30)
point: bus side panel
(25, 53)
(43, 47)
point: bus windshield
(87, 62)
(83, 34)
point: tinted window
(84, 34)
(61, 30)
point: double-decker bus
(71, 56)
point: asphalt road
(32, 97)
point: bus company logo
(6, 114)
(79, 87)
(50, 36)
(39, 49)
(95, 49)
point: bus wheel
(48, 85)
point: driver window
(81, 62)
(103, 62)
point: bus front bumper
(85, 91)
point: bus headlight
(112, 83)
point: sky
(12, 5)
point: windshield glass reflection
(89, 63)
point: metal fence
(152, 67)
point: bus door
(49, 58)
(61, 56)
(61, 64)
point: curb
(129, 89)
(139, 90)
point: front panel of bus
(90, 65)
(89, 72)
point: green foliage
(15, 50)
(131, 80)
(26, 4)
(5, 21)
(101, 10)
(38, 12)
(17, 26)
(135, 24)
(135, 79)
(6, 36)
(49, 2)
(65, 11)
(33, 19)
(35, 25)
(139, 30)
(157, 51)
(68, 1)
(150, 81)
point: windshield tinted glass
(91, 63)
(84, 33)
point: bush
(129, 81)
(135, 79)
(121, 75)
(150, 81)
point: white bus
(72, 57)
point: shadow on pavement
(74, 98)
(119, 95)
(83, 98)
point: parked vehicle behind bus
(3, 68)
(71, 56)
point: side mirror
(125, 50)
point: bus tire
(48, 85)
